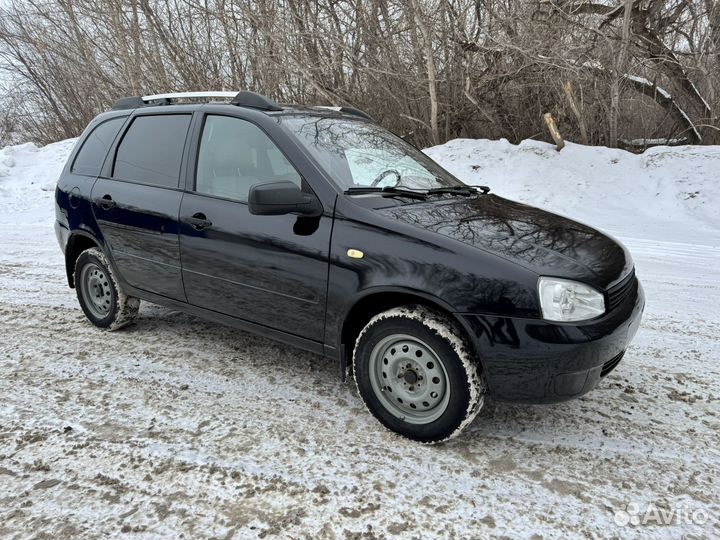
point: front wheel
(416, 375)
(99, 294)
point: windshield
(361, 154)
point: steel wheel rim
(96, 290)
(409, 379)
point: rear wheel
(99, 294)
(415, 373)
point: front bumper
(535, 361)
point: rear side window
(90, 158)
(151, 150)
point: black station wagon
(317, 227)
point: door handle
(105, 202)
(198, 221)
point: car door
(270, 270)
(136, 204)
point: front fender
(450, 274)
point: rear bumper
(534, 361)
(62, 233)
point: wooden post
(576, 111)
(554, 131)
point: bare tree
(428, 69)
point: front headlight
(565, 300)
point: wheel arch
(78, 242)
(379, 299)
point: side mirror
(278, 198)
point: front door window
(235, 155)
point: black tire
(100, 297)
(401, 349)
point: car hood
(540, 241)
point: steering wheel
(380, 177)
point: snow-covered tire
(416, 374)
(99, 294)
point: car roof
(239, 99)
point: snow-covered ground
(178, 428)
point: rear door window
(90, 158)
(151, 150)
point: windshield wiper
(465, 191)
(387, 192)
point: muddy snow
(178, 428)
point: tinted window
(234, 155)
(151, 150)
(92, 154)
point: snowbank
(665, 193)
(27, 180)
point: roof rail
(241, 99)
(190, 95)
(128, 103)
(347, 110)
(256, 101)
